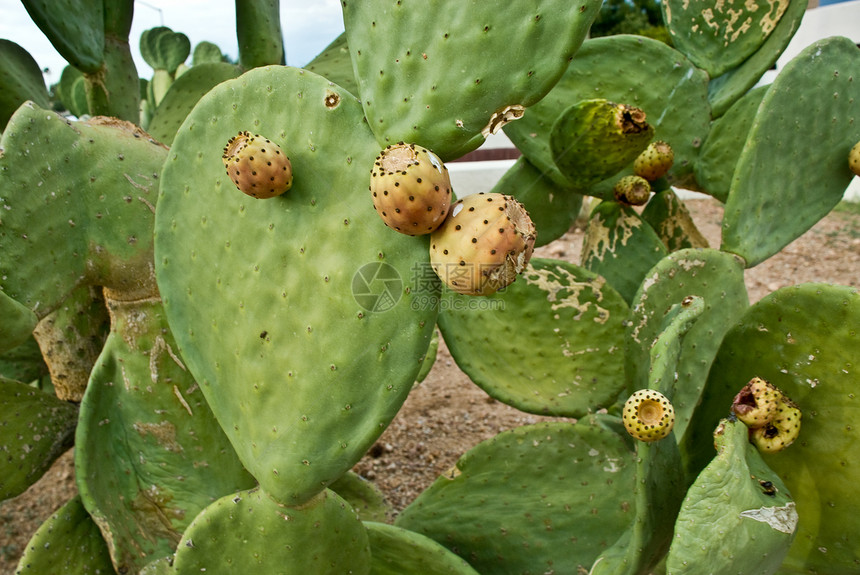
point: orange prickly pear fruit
(257, 166)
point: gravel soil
(446, 414)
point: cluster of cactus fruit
(209, 355)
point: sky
(308, 27)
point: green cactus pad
(719, 36)
(716, 166)
(164, 49)
(21, 79)
(182, 96)
(429, 358)
(412, 91)
(258, 30)
(725, 90)
(551, 207)
(397, 551)
(561, 495)
(738, 516)
(659, 486)
(804, 340)
(72, 91)
(782, 186)
(36, 429)
(18, 322)
(68, 543)
(593, 139)
(206, 53)
(621, 247)
(670, 218)
(551, 343)
(149, 455)
(335, 64)
(76, 29)
(621, 69)
(78, 207)
(365, 498)
(304, 308)
(250, 532)
(718, 278)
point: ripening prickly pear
(648, 415)
(854, 159)
(632, 191)
(483, 244)
(757, 403)
(782, 431)
(655, 161)
(411, 189)
(257, 166)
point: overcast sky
(308, 26)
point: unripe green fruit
(781, 432)
(648, 415)
(411, 189)
(483, 244)
(854, 159)
(757, 404)
(655, 161)
(257, 166)
(632, 191)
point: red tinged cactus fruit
(854, 159)
(648, 415)
(257, 166)
(757, 403)
(411, 189)
(483, 244)
(655, 161)
(632, 191)
(781, 432)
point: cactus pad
(310, 288)
(412, 92)
(670, 218)
(37, 429)
(335, 64)
(738, 516)
(21, 79)
(68, 543)
(249, 531)
(804, 340)
(562, 496)
(164, 49)
(76, 30)
(551, 342)
(397, 551)
(768, 208)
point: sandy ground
(447, 414)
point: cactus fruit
(648, 415)
(655, 161)
(483, 244)
(854, 159)
(257, 166)
(781, 432)
(756, 405)
(411, 189)
(632, 191)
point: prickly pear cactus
(398, 551)
(802, 339)
(551, 343)
(738, 516)
(410, 90)
(768, 209)
(21, 79)
(294, 315)
(69, 542)
(667, 214)
(563, 495)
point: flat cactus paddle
(21, 79)
(312, 291)
(410, 89)
(398, 551)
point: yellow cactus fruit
(781, 432)
(257, 166)
(854, 159)
(648, 415)
(655, 161)
(757, 403)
